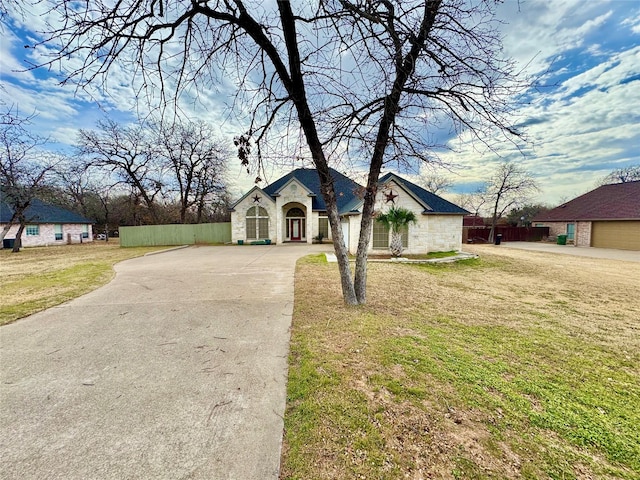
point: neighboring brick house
(607, 217)
(46, 225)
(291, 209)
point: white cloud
(584, 129)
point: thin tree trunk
(17, 244)
(5, 230)
(7, 227)
(494, 221)
(405, 67)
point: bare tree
(130, 154)
(24, 171)
(197, 162)
(436, 184)
(622, 175)
(473, 202)
(508, 188)
(84, 189)
(366, 77)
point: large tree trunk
(405, 67)
(17, 244)
(294, 82)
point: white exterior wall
(313, 218)
(295, 193)
(431, 233)
(239, 215)
(47, 235)
(444, 233)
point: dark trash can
(240, 242)
(562, 239)
(8, 242)
(498, 239)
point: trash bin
(498, 239)
(562, 239)
(8, 242)
(240, 242)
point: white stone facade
(431, 233)
(71, 233)
(293, 195)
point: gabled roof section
(254, 191)
(345, 187)
(617, 201)
(431, 202)
(42, 212)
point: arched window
(295, 212)
(257, 220)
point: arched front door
(296, 225)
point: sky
(581, 121)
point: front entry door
(296, 233)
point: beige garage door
(622, 235)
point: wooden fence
(509, 234)
(156, 235)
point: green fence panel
(158, 235)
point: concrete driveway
(610, 253)
(174, 370)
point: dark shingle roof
(618, 201)
(345, 187)
(42, 212)
(431, 202)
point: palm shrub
(395, 219)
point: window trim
(30, 229)
(259, 218)
(379, 241)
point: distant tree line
(139, 174)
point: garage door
(622, 235)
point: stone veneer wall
(47, 235)
(583, 234)
(432, 233)
(292, 195)
(239, 215)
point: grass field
(38, 278)
(513, 365)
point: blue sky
(582, 120)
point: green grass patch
(39, 278)
(491, 368)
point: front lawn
(514, 365)
(41, 277)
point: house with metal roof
(292, 209)
(607, 217)
(46, 225)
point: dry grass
(38, 278)
(516, 365)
